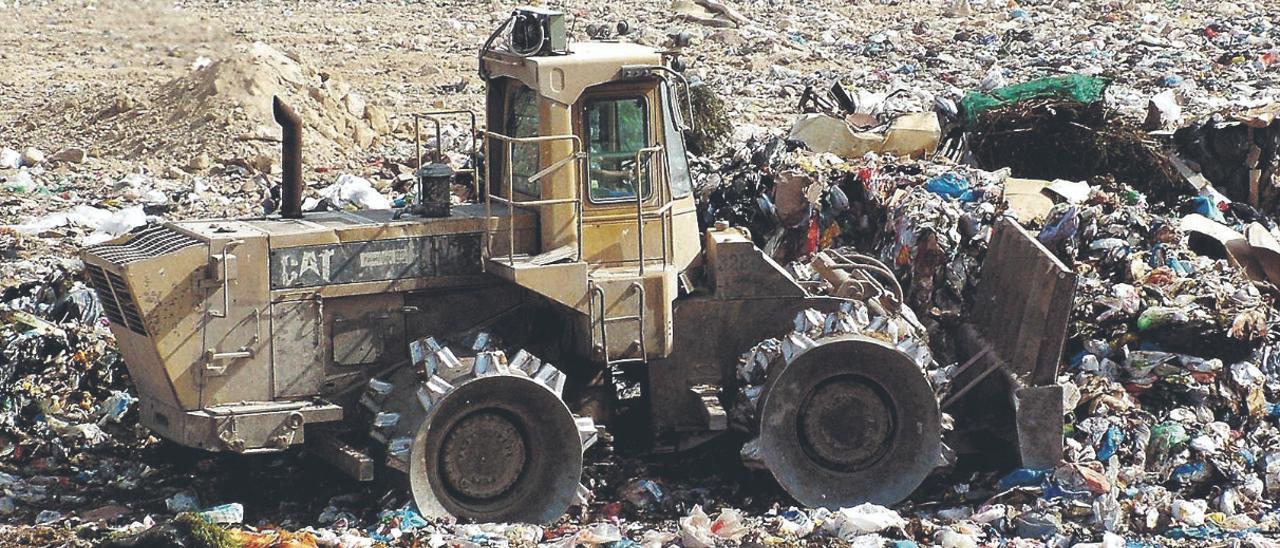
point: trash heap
(63, 388)
(1171, 367)
(61, 378)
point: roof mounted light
(537, 31)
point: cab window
(522, 121)
(677, 161)
(616, 128)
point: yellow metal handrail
(511, 202)
(640, 214)
(596, 294)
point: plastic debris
(223, 513)
(850, 523)
(350, 191)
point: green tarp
(1073, 87)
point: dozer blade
(849, 420)
(498, 448)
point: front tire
(849, 421)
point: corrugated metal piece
(151, 242)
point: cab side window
(677, 161)
(523, 121)
(616, 128)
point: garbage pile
(63, 390)
(1206, 55)
(1172, 375)
(61, 378)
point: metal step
(563, 282)
(599, 317)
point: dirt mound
(222, 110)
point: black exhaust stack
(290, 159)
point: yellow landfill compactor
(375, 337)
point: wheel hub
(846, 423)
(483, 456)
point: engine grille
(152, 241)
(117, 301)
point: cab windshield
(616, 129)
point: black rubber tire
(846, 372)
(551, 466)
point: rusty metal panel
(438, 312)
(357, 344)
(297, 366)
(740, 270)
(709, 336)
(1023, 303)
(458, 254)
(1038, 421)
(362, 331)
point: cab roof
(563, 78)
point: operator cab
(590, 134)
(588, 137)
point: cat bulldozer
(385, 341)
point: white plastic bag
(728, 525)
(599, 533)
(849, 523)
(357, 192)
(695, 529)
(1189, 512)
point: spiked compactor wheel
(500, 448)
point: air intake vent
(98, 279)
(152, 241)
(117, 301)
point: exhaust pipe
(290, 159)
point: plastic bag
(728, 525)
(848, 523)
(794, 523)
(116, 406)
(350, 191)
(1189, 512)
(695, 529)
(1022, 477)
(1061, 225)
(1110, 443)
(224, 513)
(950, 185)
(599, 533)
(182, 501)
